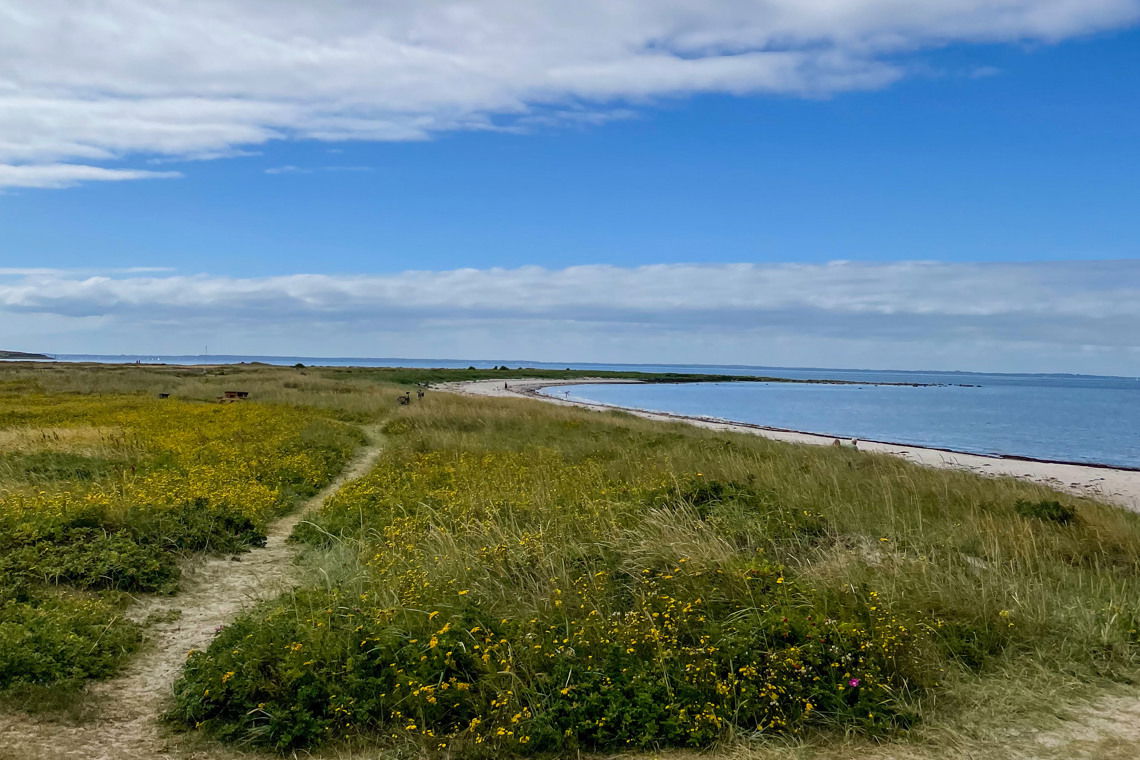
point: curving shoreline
(1115, 485)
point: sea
(1088, 419)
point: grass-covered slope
(516, 577)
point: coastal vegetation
(101, 496)
(412, 375)
(519, 578)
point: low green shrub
(137, 550)
(1047, 510)
(199, 527)
(89, 558)
(697, 655)
(49, 636)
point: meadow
(102, 496)
(516, 578)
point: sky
(850, 183)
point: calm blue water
(1077, 418)
(1071, 418)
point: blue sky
(955, 137)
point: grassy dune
(519, 578)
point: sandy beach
(1120, 487)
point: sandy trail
(1120, 487)
(126, 709)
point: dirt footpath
(124, 724)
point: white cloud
(290, 169)
(1062, 316)
(67, 175)
(88, 82)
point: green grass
(57, 636)
(961, 605)
(103, 493)
(516, 577)
(48, 466)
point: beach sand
(1120, 487)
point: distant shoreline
(536, 392)
(1119, 485)
(522, 365)
(24, 356)
(533, 372)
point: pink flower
(853, 682)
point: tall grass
(518, 577)
(102, 493)
(985, 605)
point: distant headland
(21, 355)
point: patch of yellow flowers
(247, 458)
(512, 600)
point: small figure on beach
(505, 387)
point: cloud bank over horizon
(1042, 317)
(84, 85)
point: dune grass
(932, 606)
(102, 494)
(516, 577)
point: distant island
(21, 355)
